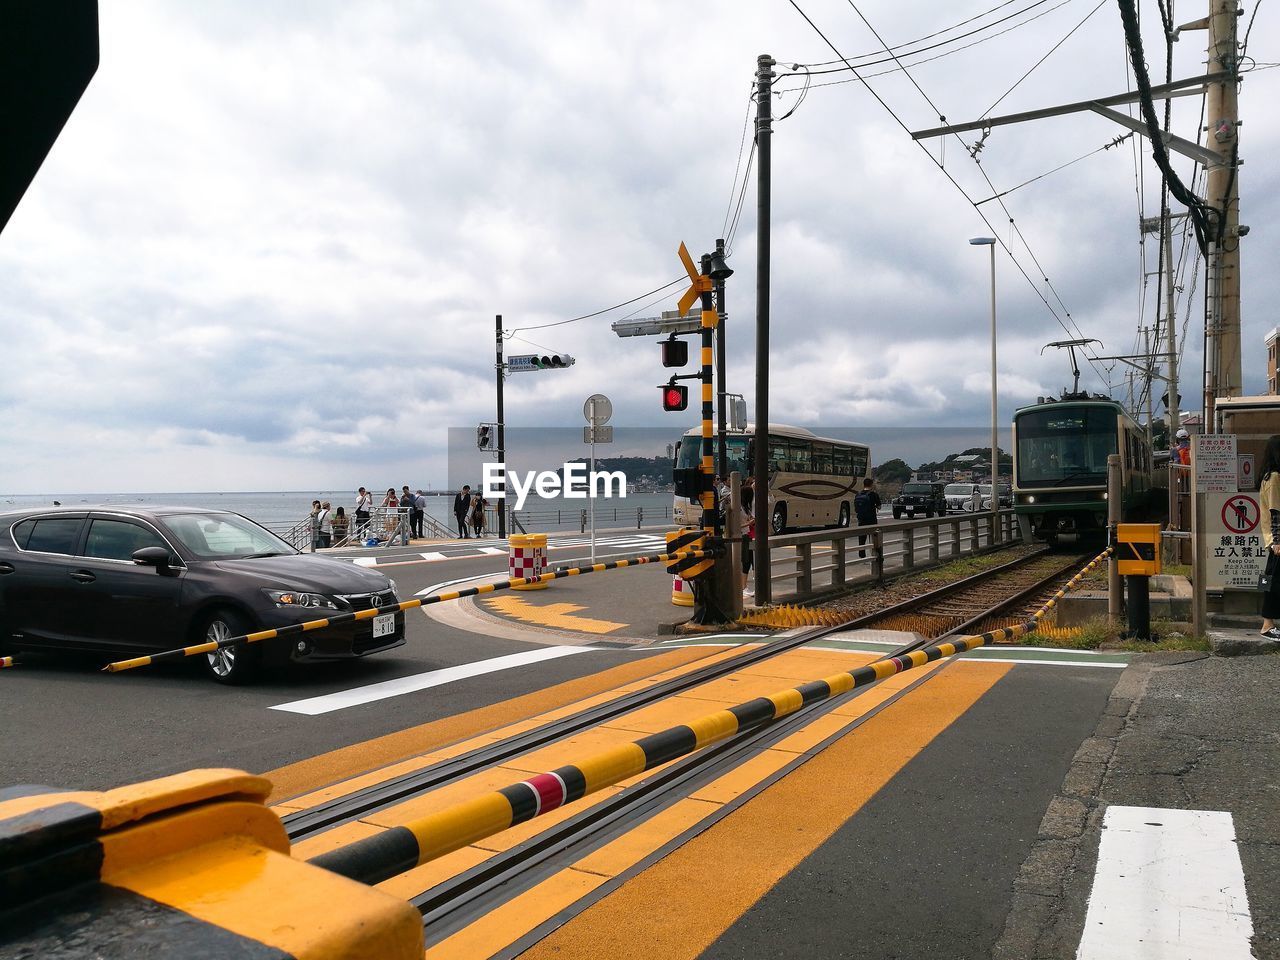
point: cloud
(268, 250)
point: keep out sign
(1232, 541)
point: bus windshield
(690, 454)
(1063, 446)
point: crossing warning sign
(1232, 543)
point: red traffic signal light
(675, 396)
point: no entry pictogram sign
(1240, 513)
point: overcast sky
(268, 248)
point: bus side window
(842, 462)
(821, 458)
(778, 457)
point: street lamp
(990, 242)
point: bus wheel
(844, 515)
(780, 518)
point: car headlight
(393, 586)
(298, 598)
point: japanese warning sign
(1232, 541)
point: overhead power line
(588, 316)
(1016, 262)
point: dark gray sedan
(126, 582)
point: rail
(613, 515)
(401, 848)
(847, 555)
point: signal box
(1138, 549)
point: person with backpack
(866, 507)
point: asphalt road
(69, 725)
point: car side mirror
(157, 557)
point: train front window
(1065, 447)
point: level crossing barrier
(213, 645)
(821, 560)
(402, 848)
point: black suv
(919, 497)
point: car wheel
(928, 514)
(780, 518)
(844, 515)
(897, 513)
(237, 663)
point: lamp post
(990, 243)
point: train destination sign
(1232, 542)
(1213, 460)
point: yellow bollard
(528, 558)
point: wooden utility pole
(1223, 194)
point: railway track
(963, 602)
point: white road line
(1169, 884)
(364, 561)
(430, 555)
(493, 551)
(1042, 663)
(314, 706)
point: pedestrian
(326, 526)
(975, 499)
(748, 518)
(407, 499)
(315, 524)
(461, 506)
(341, 525)
(866, 507)
(1270, 500)
(478, 503)
(391, 507)
(364, 504)
(1182, 452)
(420, 505)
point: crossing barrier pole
(673, 557)
(409, 845)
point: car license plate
(384, 625)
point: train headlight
(1104, 494)
(1031, 498)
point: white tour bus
(812, 480)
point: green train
(1060, 450)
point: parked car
(918, 497)
(1006, 496)
(129, 582)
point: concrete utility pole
(1173, 421)
(722, 397)
(1223, 193)
(760, 467)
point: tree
(893, 471)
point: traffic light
(484, 436)
(675, 353)
(553, 360)
(675, 396)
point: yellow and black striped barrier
(193, 865)
(211, 645)
(399, 849)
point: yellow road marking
(740, 858)
(562, 699)
(558, 615)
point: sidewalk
(1181, 731)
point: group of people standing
(468, 511)
(330, 526)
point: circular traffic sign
(598, 409)
(1240, 513)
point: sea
(282, 508)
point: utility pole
(501, 371)
(760, 467)
(1173, 422)
(1222, 193)
(1147, 334)
(722, 398)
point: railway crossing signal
(675, 396)
(675, 352)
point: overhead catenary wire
(1091, 359)
(1084, 156)
(588, 316)
(864, 61)
(915, 63)
(1051, 51)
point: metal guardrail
(821, 560)
(558, 519)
